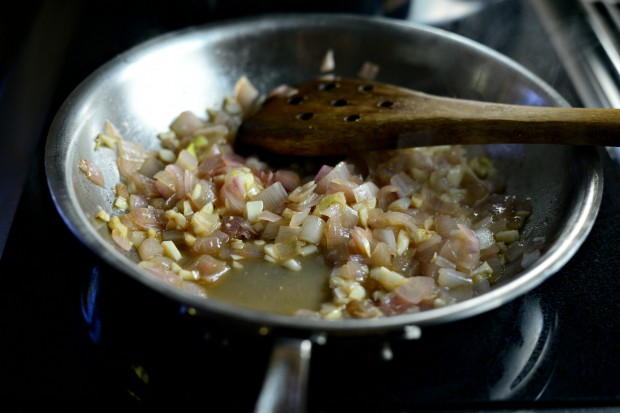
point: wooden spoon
(341, 116)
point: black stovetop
(76, 335)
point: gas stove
(76, 335)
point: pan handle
(285, 385)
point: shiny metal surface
(437, 12)
(585, 36)
(142, 90)
(284, 388)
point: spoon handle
(459, 121)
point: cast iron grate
(603, 17)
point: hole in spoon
(386, 104)
(339, 102)
(328, 86)
(352, 118)
(295, 100)
(365, 88)
(305, 116)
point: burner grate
(603, 17)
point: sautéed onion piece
(398, 231)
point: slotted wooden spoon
(342, 116)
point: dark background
(75, 335)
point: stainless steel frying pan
(144, 89)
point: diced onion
(449, 277)
(312, 229)
(402, 231)
(272, 197)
